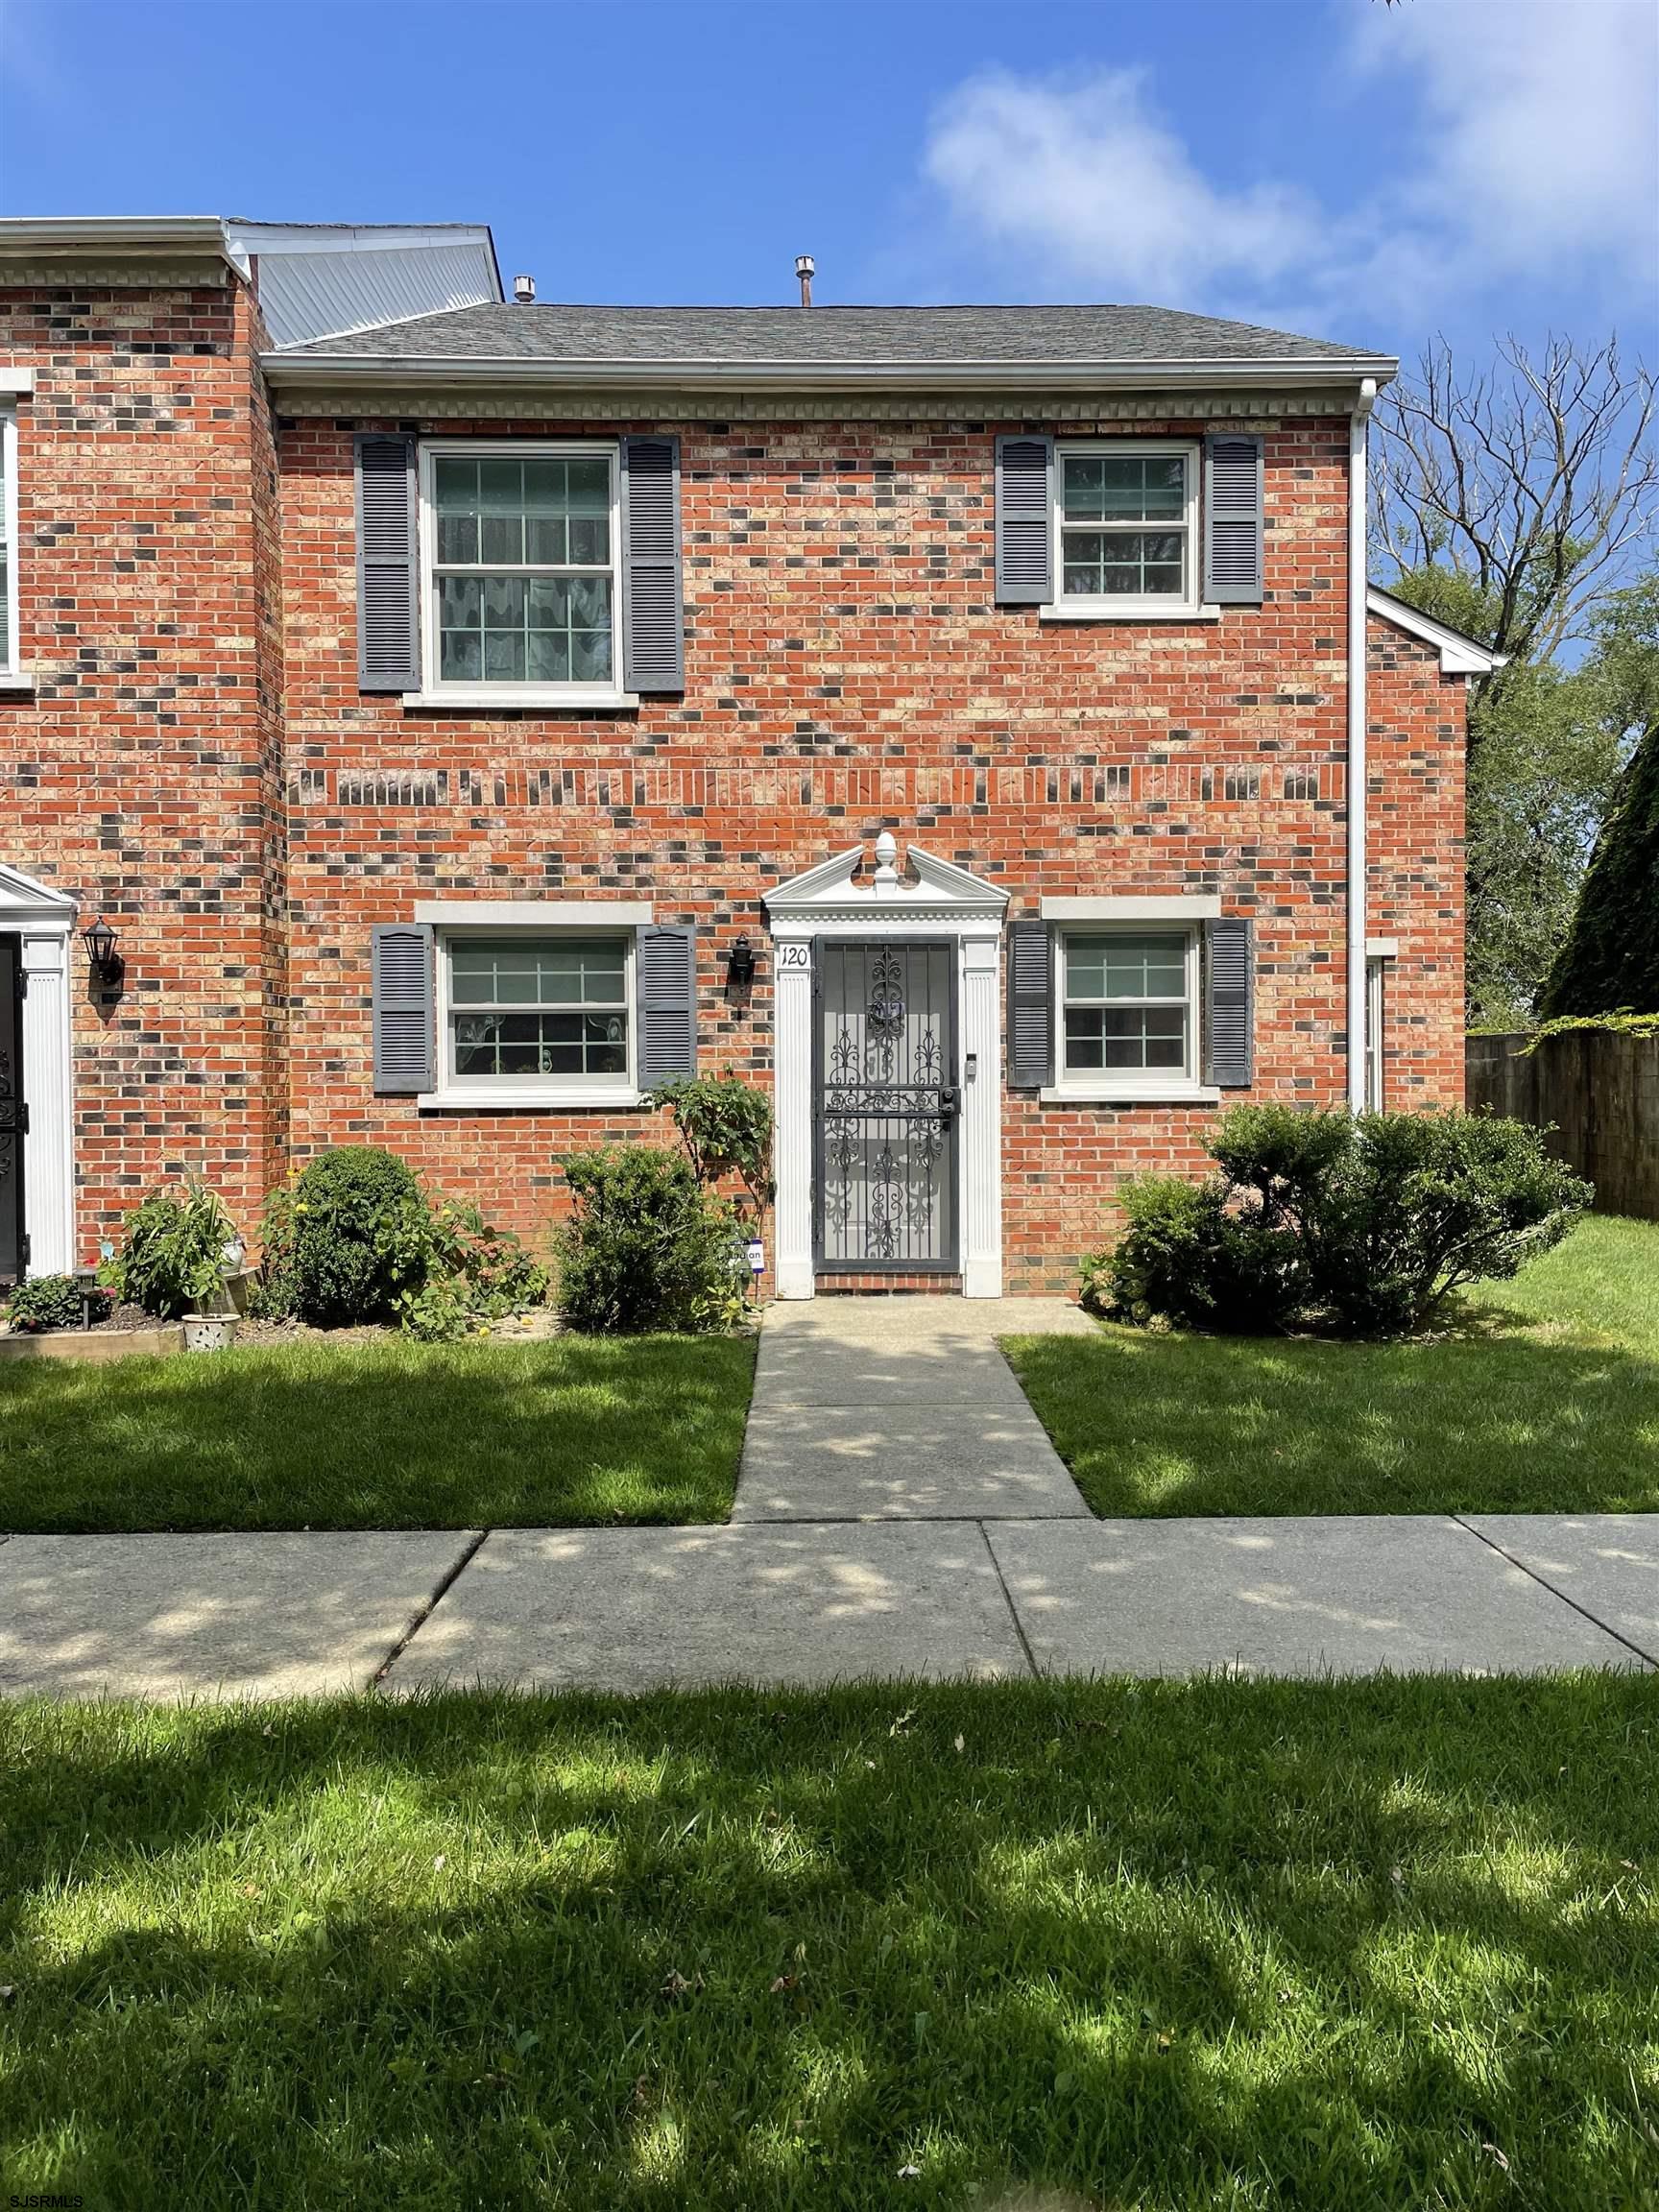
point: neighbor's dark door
(888, 1107)
(14, 1114)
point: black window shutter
(1031, 1005)
(388, 632)
(1025, 521)
(653, 633)
(402, 967)
(668, 986)
(1230, 1002)
(1233, 521)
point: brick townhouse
(432, 718)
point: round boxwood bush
(346, 1239)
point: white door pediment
(944, 898)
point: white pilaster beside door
(981, 1046)
(936, 899)
(792, 1100)
(45, 921)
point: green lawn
(1380, 1945)
(388, 1435)
(1545, 1398)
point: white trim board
(1459, 656)
(1153, 906)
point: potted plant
(172, 1262)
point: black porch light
(105, 963)
(740, 964)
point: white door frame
(44, 918)
(943, 901)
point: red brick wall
(1414, 842)
(143, 775)
(846, 671)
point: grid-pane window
(539, 1008)
(1126, 1002)
(522, 569)
(1125, 524)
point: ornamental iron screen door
(885, 1156)
(13, 1113)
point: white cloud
(1488, 141)
(1539, 122)
(1085, 178)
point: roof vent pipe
(806, 268)
(523, 290)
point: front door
(887, 1107)
(14, 1114)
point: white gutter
(1359, 426)
(451, 371)
(99, 232)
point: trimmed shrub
(1189, 1259)
(55, 1301)
(171, 1255)
(1361, 1226)
(346, 1239)
(645, 1247)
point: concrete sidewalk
(168, 1617)
(899, 1512)
(901, 1408)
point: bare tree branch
(1533, 481)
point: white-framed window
(1375, 971)
(9, 648)
(537, 1015)
(1127, 1000)
(1126, 526)
(521, 550)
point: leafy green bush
(645, 1247)
(474, 1274)
(1189, 1259)
(55, 1301)
(346, 1239)
(171, 1255)
(726, 1127)
(356, 1239)
(1364, 1226)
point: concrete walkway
(899, 1512)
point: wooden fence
(1601, 1090)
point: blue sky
(1331, 166)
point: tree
(1509, 501)
(1530, 483)
(1610, 961)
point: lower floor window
(530, 1009)
(1127, 1003)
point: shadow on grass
(392, 1435)
(1170, 1946)
(1476, 1422)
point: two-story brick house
(465, 712)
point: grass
(1545, 1398)
(1155, 1948)
(380, 1435)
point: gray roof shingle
(827, 336)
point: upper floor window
(8, 647)
(1126, 521)
(520, 548)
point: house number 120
(794, 956)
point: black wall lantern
(740, 965)
(105, 963)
